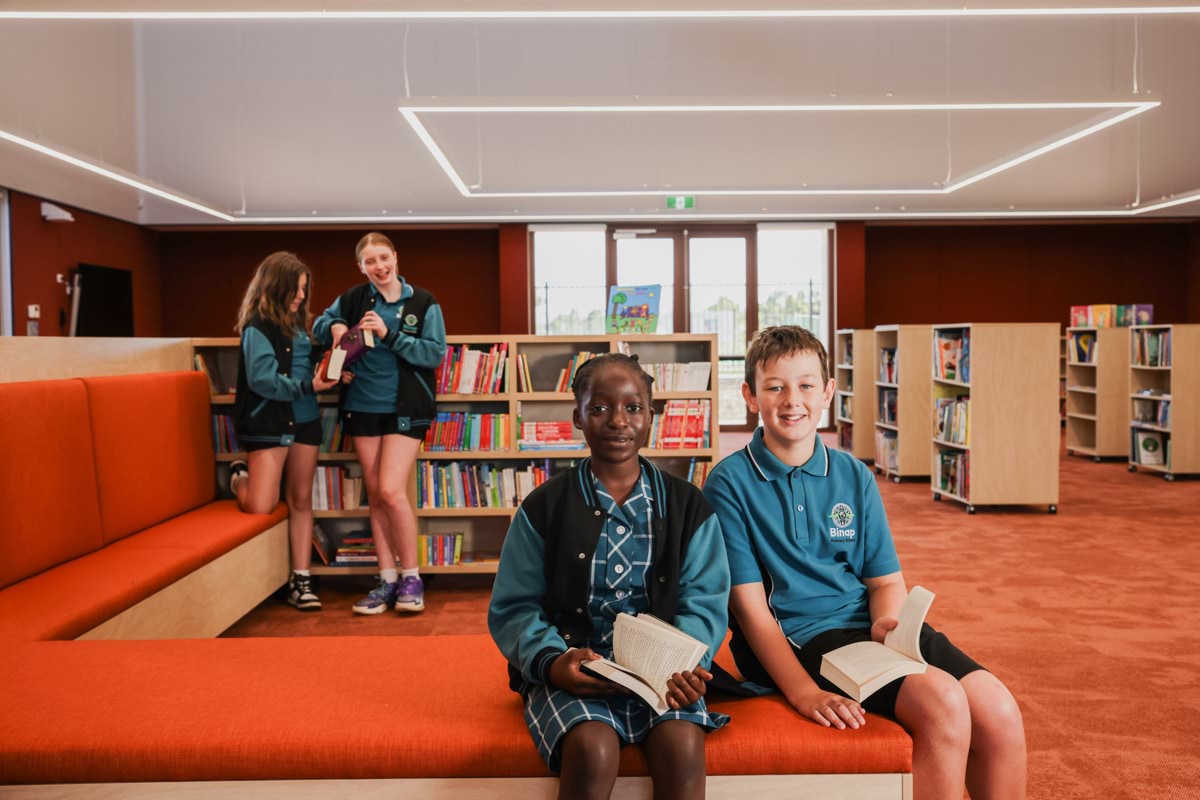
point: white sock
(233, 480)
(303, 572)
(415, 572)
(389, 575)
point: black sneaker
(300, 593)
(241, 471)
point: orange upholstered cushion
(207, 533)
(153, 442)
(226, 709)
(47, 478)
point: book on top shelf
(633, 309)
(863, 668)
(646, 653)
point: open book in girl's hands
(350, 348)
(646, 653)
(863, 668)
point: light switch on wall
(35, 311)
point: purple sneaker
(411, 596)
(379, 599)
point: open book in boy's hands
(863, 668)
(646, 653)
(350, 348)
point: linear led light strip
(115, 176)
(1127, 109)
(798, 13)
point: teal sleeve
(426, 350)
(703, 610)
(262, 370)
(743, 566)
(322, 325)
(879, 557)
(517, 619)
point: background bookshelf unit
(911, 428)
(484, 528)
(1013, 443)
(1176, 382)
(1062, 379)
(855, 370)
(1097, 389)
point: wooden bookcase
(1009, 453)
(901, 439)
(854, 400)
(1173, 380)
(1062, 379)
(483, 529)
(1097, 390)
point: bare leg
(396, 466)
(933, 708)
(258, 492)
(675, 753)
(370, 450)
(996, 764)
(591, 754)
(301, 466)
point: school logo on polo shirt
(842, 517)
(410, 323)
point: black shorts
(938, 650)
(364, 423)
(306, 433)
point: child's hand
(830, 710)
(347, 377)
(337, 331)
(881, 627)
(319, 383)
(374, 323)
(567, 673)
(685, 688)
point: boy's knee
(996, 719)
(939, 706)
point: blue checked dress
(621, 568)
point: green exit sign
(681, 201)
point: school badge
(842, 517)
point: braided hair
(583, 375)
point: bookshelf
(995, 437)
(483, 528)
(1097, 392)
(1062, 379)
(902, 392)
(1164, 399)
(853, 400)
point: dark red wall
(1026, 273)
(41, 250)
(205, 273)
(1194, 276)
(850, 274)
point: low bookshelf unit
(1097, 390)
(902, 391)
(854, 398)
(1164, 389)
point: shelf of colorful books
(1164, 389)
(993, 391)
(854, 410)
(902, 402)
(498, 511)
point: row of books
(356, 549)
(691, 376)
(683, 424)
(455, 484)
(845, 434)
(887, 450)
(439, 549)
(224, 437)
(549, 435)
(845, 405)
(335, 490)
(954, 473)
(1107, 315)
(698, 472)
(1151, 447)
(332, 438)
(888, 368)
(1152, 348)
(465, 370)
(888, 401)
(566, 376)
(952, 420)
(453, 431)
(1081, 347)
(952, 355)
(215, 383)
(1152, 412)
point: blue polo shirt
(809, 534)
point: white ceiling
(300, 119)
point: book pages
(906, 637)
(654, 649)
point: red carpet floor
(1091, 616)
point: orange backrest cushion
(48, 497)
(154, 454)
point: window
(649, 260)
(6, 295)
(717, 268)
(569, 279)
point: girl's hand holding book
(567, 674)
(319, 383)
(337, 331)
(685, 688)
(374, 323)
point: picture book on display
(646, 653)
(863, 668)
(351, 347)
(633, 309)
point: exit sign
(681, 201)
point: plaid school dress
(621, 568)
